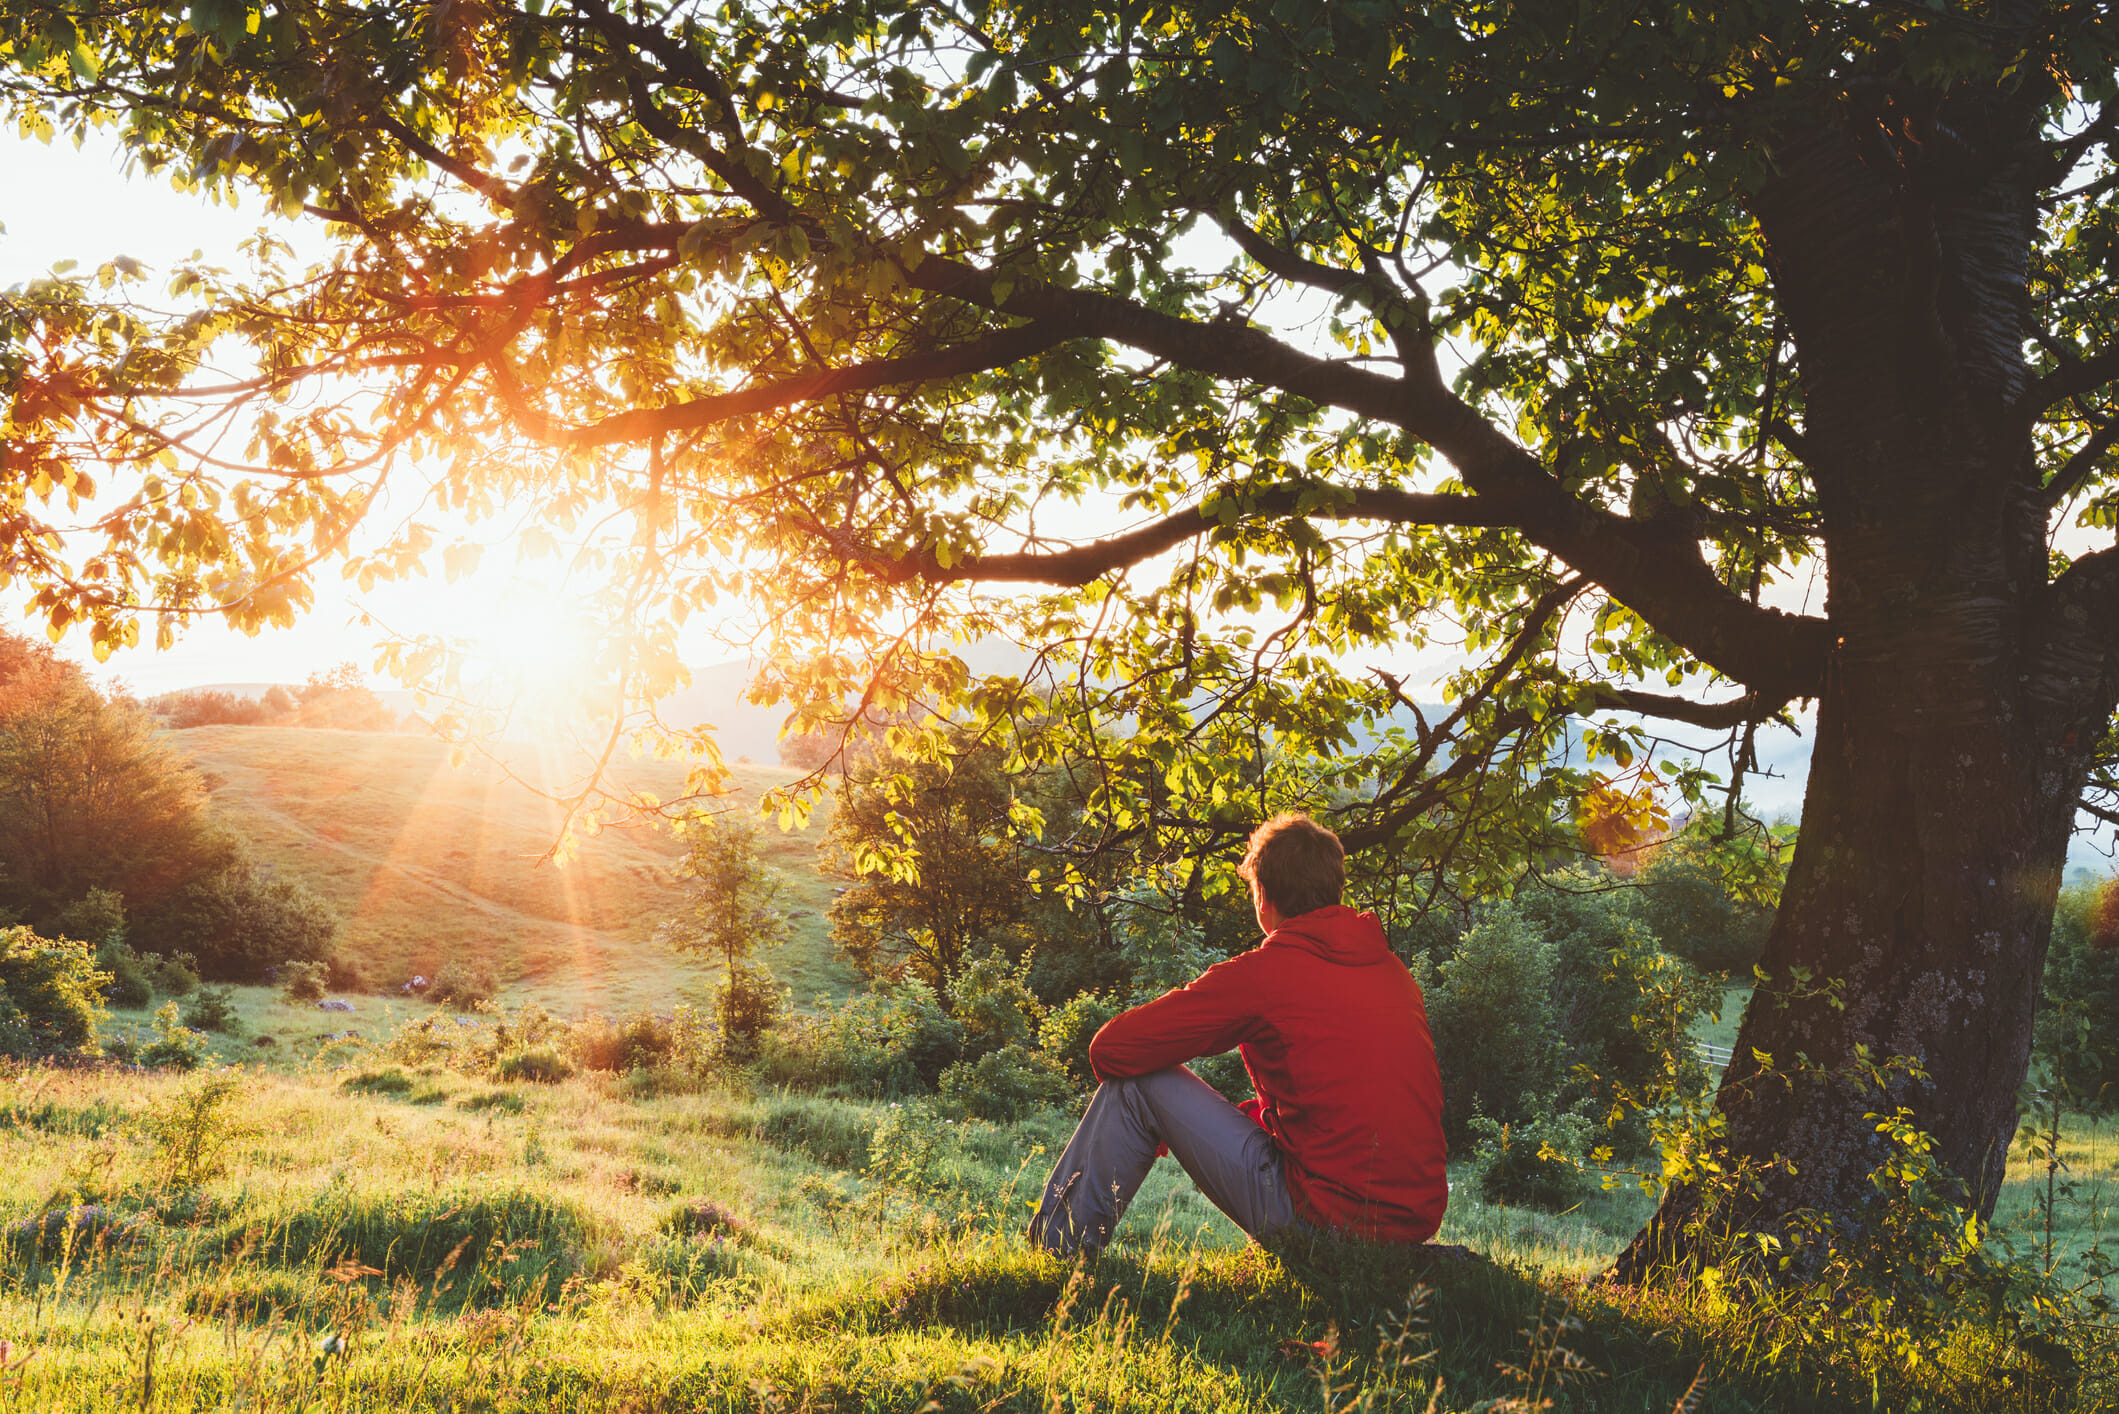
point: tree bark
(1952, 732)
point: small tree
(936, 850)
(729, 903)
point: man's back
(1334, 1033)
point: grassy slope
(523, 1254)
(425, 860)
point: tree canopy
(1224, 355)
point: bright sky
(81, 206)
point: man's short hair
(1296, 864)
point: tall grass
(452, 1244)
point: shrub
(747, 1003)
(345, 974)
(172, 975)
(1068, 1029)
(78, 1227)
(240, 922)
(305, 981)
(893, 1040)
(1686, 901)
(389, 1080)
(991, 999)
(129, 985)
(212, 1009)
(1161, 948)
(542, 1064)
(1624, 1007)
(50, 996)
(1006, 1084)
(194, 1130)
(463, 983)
(2078, 1022)
(175, 1046)
(701, 1217)
(1226, 1073)
(1491, 1013)
(642, 1041)
(1534, 1163)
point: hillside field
(426, 860)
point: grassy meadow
(339, 1230)
(425, 860)
(336, 1215)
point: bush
(542, 1064)
(1161, 949)
(305, 981)
(346, 975)
(1535, 1163)
(991, 999)
(747, 1004)
(641, 1041)
(390, 1080)
(128, 986)
(212, 1009)
(172, 976)
(1687, 903)
(1068, 1029)
(1491, 1014)
(194, 1129)
(2078, 1022)
(894, 1040)
(50, 996)
(241, 922)
(462, 983)
(1624, 1006)
(176, 1046)
(1006, 1084)
(1226, 1073)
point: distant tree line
(334, 698)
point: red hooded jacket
(1333, 1031)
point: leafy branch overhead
(914, 297)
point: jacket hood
(1336, 934)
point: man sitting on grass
(1345, 1134)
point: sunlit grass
(593, 1245)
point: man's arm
(1216, 1010)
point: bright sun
(526, 647)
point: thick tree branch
(1077, 565)
(484, 183)
(2072, 378)
(2082, 465)
(973, 356)
(2099, 812)
(1288, 265)
(1655, 567)
(1714, 715)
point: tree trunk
(1952, 732)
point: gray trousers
(1232, 1160)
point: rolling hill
(425, 861)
